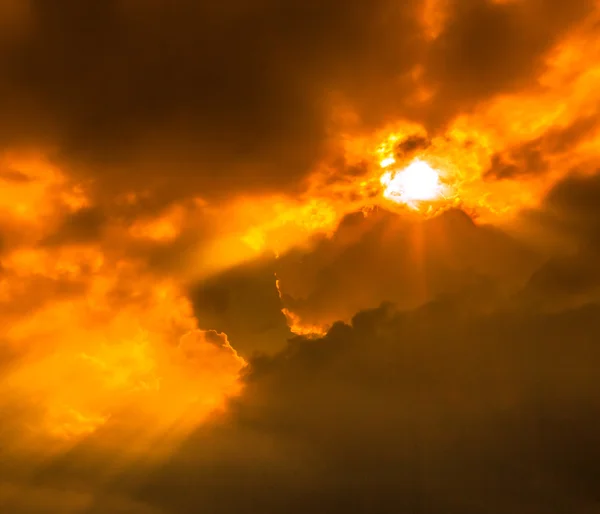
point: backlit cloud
(290, 256)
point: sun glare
(416, 183)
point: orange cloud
(172, 201)
(97, 341)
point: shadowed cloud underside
(335, 256)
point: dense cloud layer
(237, 96)
(490, 47)
(532, 157)
(470, 403)
(386, 258)
(437, 410)
(207, 303)
(434, 410)
(230, 96)
(369, 259)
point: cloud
(449, 407)
(243, 302)
(574, 202)
(453, 406)
(408, 262)
(533, 157)
(411, 144)
(435, 409)
(185, 186)
(226, 97)
(13, 176)
(82, 226)
(240, 97)
(487, 48)
(569, 213)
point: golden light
(388, 161)
(416, 183)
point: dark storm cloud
(575, 202)
(404, 261)
(572, 210)
(189, 92)
(492, 47)
(475, 402)
(566, 277)
(533, 157)
(211, 97)
(454, 407)
(407, 262)
(434, 411)
(383, 256)
(525, 160)
(564, 139)
(244, 304)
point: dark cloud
(82, 226)
(243, 303)
(404, 261)
(13, 176)
(412, 144)
(423, 410)
(564, 139)
(435, 410)
(230, 96)
(455, 406)
(571, 210)
(465, 394)
(527, 159)
(401, 260)
(575, 200)
(210, 99)
(490, 47)
(567, 276)
(164, 257)
(533, 157)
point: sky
(285, 256)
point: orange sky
(191, 206)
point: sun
(416, 183)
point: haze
(289, 256)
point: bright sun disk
(418, 182)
